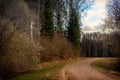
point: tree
(75, 10)
(12, 11)
(74, 29)
(113, 10)
(93, 44)
(113, 22)
(48, 28)
(60, 11)
(15, 15)
(14, 43)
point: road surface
(83, 70)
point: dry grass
(108, 64)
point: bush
(5, 33)
(58, 48)
(20, 56)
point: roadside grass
(108, 64)
(46, 70)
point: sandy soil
(83, 70)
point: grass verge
(46, 71)
(108, 64)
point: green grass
(48, 71)
(107, 64)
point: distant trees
(98, 45)
(92, 45)
(105, 44)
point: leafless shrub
(6, 33)
(58, 48)
(21, 55)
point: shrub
(21, 55)
(5, 34)
(58, 48)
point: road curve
(83, 70)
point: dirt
(83, 70)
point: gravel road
(83, 70)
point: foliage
(5, 34)
(18, 13)
(73, 29)
(18, 53)
(20, 56)
(48, 28)
(58, 48)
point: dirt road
(83, 70)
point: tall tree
(73, 28)
(76, 8)
(60, 14)
(48, 28)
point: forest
(38, 31)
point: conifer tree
(48, 28)
(74, 29)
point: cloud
(94, 16)
(100, 3)
(87, 28)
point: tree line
(98, 45)
(107, 43)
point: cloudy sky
(94, 16)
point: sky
(94, 17)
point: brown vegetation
(57, 48)
(21, 55)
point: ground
(82, 70)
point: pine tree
(60, 11)
(59, 23)
(48, 28)
(74, 29)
